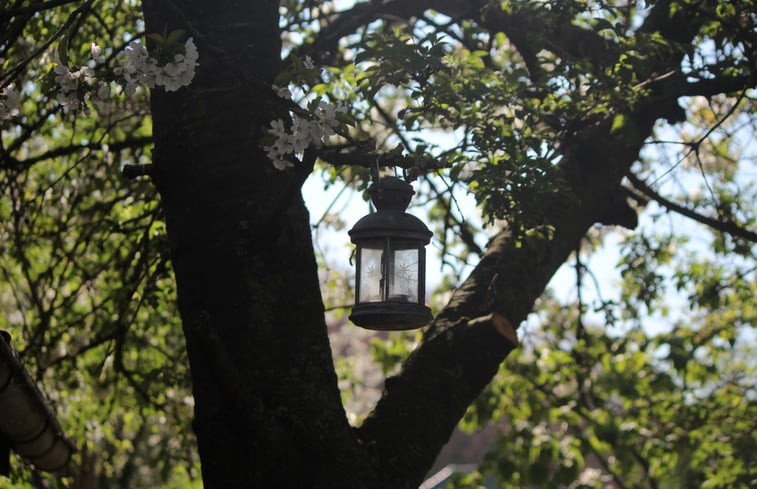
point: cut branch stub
(500, 323)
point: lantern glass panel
(403, 272)
(371, 273)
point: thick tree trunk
(268, 411)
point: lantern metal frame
(386, 234)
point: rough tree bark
(268, 410)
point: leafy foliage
(653, 388)
(86, 290)
(636, 410)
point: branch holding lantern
(363, 154)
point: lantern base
(390, 316)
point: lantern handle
(375, 171)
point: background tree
(551, 108)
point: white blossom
(130, 89)
(588, 477)
(96, 53)
(136, 68)
(103, 91)
(10, 101)
(278, 158)
(140, 68)
(69, 100)
(303, 133)
(191, 55)
(282, 92)
(326, 114)
(277, 128)
(282, 146)
(69, 82)
(282, 164)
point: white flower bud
(96, 53)
(9, 103)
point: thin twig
(11, 74)
(729, 227)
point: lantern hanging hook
(376, 172)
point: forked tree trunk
(267, 407)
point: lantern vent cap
(391, 194)
(391, 197)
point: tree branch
(422, 404)
(729, 227)
(365, 156)
(463, 227)
(75, 148)
(720, 85)
(526, 25)
(7, 77)
(33, 9)
(458, 356)
(408, 427)
(363, 13)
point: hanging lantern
(391, 261)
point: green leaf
(63, 50)
(175, 37)
(618, 123)
(159, 39)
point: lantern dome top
(391, 197)
(391, 194)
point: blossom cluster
(313, 129)
(136, 68)
(302, 133)
(141, 68)
(68, 80)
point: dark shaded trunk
(268, 411)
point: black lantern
(391, 261)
